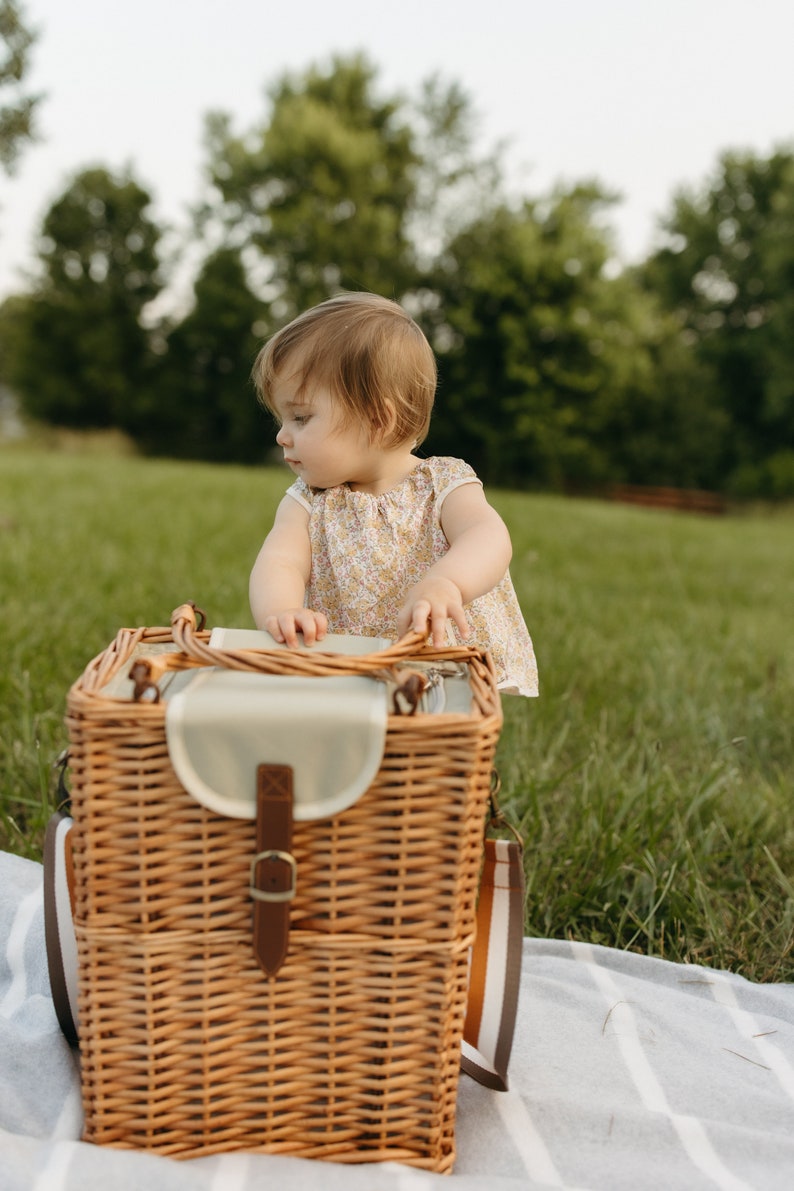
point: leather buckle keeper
(273, 869)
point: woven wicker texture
(351, 1052)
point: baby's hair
(371, 355)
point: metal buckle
(497, 819)
(285, 895)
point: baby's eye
(301, 419)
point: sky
(642, 95)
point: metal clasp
(284, 895)
(497, 819)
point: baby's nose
(282, 437)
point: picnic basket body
(351, 1052)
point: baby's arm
(278, 581)
(478, 557)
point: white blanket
(627, 1072)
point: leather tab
(273, 868)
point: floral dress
(367, 551)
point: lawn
(652, 780)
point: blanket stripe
(691, 1132)
(756, 1035)
(527, 1139)
(24, 919)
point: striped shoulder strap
(495, 968)
(59, 932)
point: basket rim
(85, 695)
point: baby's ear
(383, 433)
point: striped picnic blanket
(627, 1072)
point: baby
(371, 539)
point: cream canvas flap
(222, 724)
(223, 638)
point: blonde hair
(371, 355)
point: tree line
(556, 370)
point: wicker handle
(312, 662)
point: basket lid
(222, 724)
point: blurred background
(588, 207)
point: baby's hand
(429, 605)
(285, 626)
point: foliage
(517, 375)
(652, 776)
(555, 374)
(339, 186)
(451, 181)
(728, 274)
(322, 192)
(16, 116)
(657, 416)
(203, 404)
(80, 353)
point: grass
(653, 778)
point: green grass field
(653, 778)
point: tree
(511, 331)
(16, 117)
(337, 188)
(451, 180)
(205, 405)
(80, 355)
(657, 417)
(727, 273)
(553, 373)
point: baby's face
(318, 444)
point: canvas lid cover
(222, 724)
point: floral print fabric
(367, 551)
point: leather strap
(59, 937)
(273, 868)
(495, 971)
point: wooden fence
(687, 500)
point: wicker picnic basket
(351, 1051)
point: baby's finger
(462, 624)
(308, 626)
(321, 624)
(313, 625)
(274, 628)
(438, 622)
(421, 616)
(289, 630)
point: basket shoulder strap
(495, 974)
(59, 934)
(273, 868)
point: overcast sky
(641, 94)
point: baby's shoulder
(445, 474)
(302, 493)
(445, 470)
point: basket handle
(187, 621)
